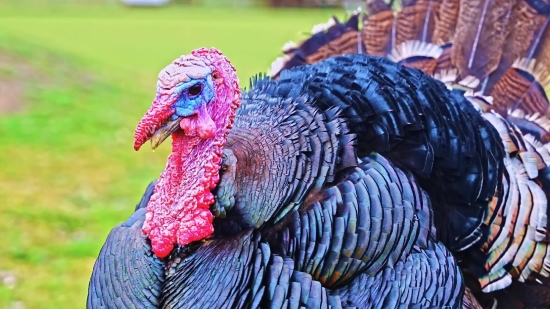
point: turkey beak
(169, 127)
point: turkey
(355, 182)
(499, 51)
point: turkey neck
(179, 210)
(194, 167)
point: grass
(69, 173)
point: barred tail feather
(517, 246)
(417, 54)
(327, 40)
(496, 41)
(526, 23)
(378, 32)
(522, 87)
(416, 21)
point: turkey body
(347, 184)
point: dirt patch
(16, 76)
(11, 93)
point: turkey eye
(195, 89)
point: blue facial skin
(186, 104)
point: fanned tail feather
(536, 125)
(322, 27)
(526, 24)
(417, 54)
(378, 32)
(517, 218)
(480, 102)
(327, 40)
(476, 49)
(448, 77)
(540, 44)
(416, 21)
(446, 23)
(522, 87)
(505, 44)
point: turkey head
(197, 96)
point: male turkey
(499, 51)
(341, 184)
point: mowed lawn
(68, 170)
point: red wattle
(179, 210)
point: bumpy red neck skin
(179, 209)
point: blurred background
(75, 78)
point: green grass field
(68, 170)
